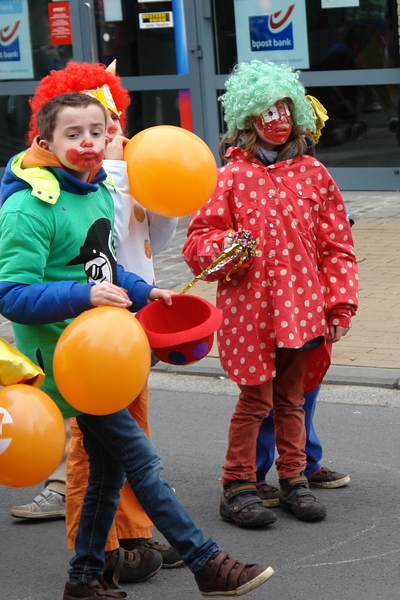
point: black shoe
(241, 505)
(170, 557)
(131, 566)
(296, 497)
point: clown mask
(274, 125)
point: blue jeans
(266, 440)
(118, 448)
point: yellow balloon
(171, 171)
(32, 436)
(102, 360)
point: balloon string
(243, 246)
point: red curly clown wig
(75, 78)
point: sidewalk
(370, 353)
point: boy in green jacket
(57, 260)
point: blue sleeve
(41, 303)
(136, 288)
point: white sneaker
(46, 505)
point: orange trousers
(130, 520)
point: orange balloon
(32, 435)
(102, 360)
(171, 171)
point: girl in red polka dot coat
(284, 306)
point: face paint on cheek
(274, 131)
(276, 134)
(87, 160)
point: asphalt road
(353, 553)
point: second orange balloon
(102, 360)
(171, 171)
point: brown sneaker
(170, 557)
(268, 494)
(325, 478)
(226, 576)
(95, 589)
(131, 566)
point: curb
(336, 375)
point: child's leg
(255, 402)
(122, 438)
(130, 516)
(313, 445)
(240, 503)
(77, 478)
(265, 448)
(290, 435)
(131, 520)
(318, 476)
(266, 440)
(106, 477)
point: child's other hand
(115, 148)
(336, 332)
(108, 294)
(159, 294)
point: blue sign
(15, 40)
(274, 30)
(11, 51)
(262, 37)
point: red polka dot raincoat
(304, 277)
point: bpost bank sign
(15, 44)
(272, 30)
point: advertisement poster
(272, 30)
(60, 24)
(15, 40)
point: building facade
(174, 57)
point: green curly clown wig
(255, 86)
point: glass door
(154, 42)
(348, 53)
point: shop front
(175, 56)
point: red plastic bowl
(183, 333)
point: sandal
(241, 505)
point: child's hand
(115, 148)
(227, 243)
(108, 294)
(336, 332)
(159, 294)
